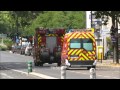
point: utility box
(100, 52)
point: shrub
(8, 42)
(3, 48)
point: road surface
(14, 66)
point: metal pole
(92, 73)
(117, 51)
(101, 57)
(91, 19)
(63, 72)
(103, 48)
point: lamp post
(91, 19)
(98, 33)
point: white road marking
(7, 76)
(42, 75)
(17, 63)
(34, 73)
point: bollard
(63, 72)
(92, 73)
(29, 67)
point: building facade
(101, 31)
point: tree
(114, 15)
(59, 19)
(23, 19)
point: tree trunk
(117, 54)
(114, 53)
(114, 45)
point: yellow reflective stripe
(73, 35)
(89, 53)
(86, 58)
(78, 52)
(75, 59)
(93, 52)
(91, 37)
(74, 52)
(82, 58)
(70, 59)
(77, 36)
(70, 51)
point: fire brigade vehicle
(79, 48)
(47, 46)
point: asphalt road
(14, 66)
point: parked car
(16, 49)
(23, 47)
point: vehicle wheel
(41, 64)
(36, 63)
(50, 63)
(58, 64)
(68, 68)
(88, 68)
(29, 54)
(21, 52)
(94, 67)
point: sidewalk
(107, 63)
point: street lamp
(91, 19)
(97, 27)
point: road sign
(3, 35)
(105, 31)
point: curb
(108, 66)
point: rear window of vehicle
(88, 44)
(75, 43)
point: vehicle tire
(68, 68)
(29, 54)
(94, 67)
(50, 62)
(59, 64)
(40, 64)
(88, 68)
(36, 63)
(21, 53)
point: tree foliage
(104, 15)
(25, 22)
(115, 16)
(59, 19)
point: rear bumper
(82, 63)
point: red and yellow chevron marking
(39, 39)
(77, 35)
(69, 53)
(52, 35)
(91, 36)
(71, 36)
(74, 51)
(89, 55)
(62, 39)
